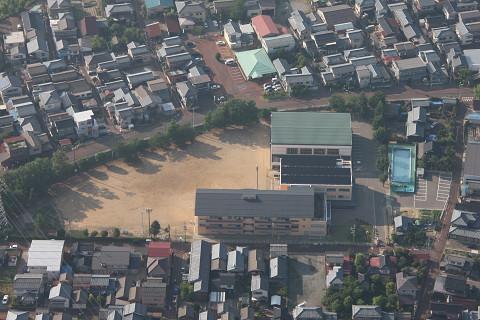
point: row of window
(319, 151)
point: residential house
(88, 26)
(302, 312)
(409, 70)
(457, 264)
(154, 7)
(10, 86)
(120, 11)
(50, 101)
(406, 288)
(17, 315)
(160, 88)
(303, 78)
(199, 269)
(259, 288)
(135, 79)
(336, 14)
(465, 226)
(264, 26)
(279, 269)
(380, 264)
(236, 260)
(55, 7)
(364, 7)
(219, 257)
(450, 285)
(191, 10)
(425, 7)
(79, 300)
(443, 35)
(200, 79)
(334, 278)
(29, 287)
(65, 27)
(111, 259)
(138, 53)
(403, 223)
(15, 49)
(85, 124)
(59, 297)
(238, 35)
(370, 312)
(16, 149)
(153, 293)
(256, 262)
(406, 49)
(187, 93)
(284, 42)
(299, 24)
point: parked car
(230, 62)
(5, 299)
(219, 99)
(190, 44)
(215, 23)
(220, 43)
(215, 86)
(266, 86)
(205, 25)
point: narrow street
(441, 239)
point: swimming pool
(401, 165)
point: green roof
(311, 128)
(255, 63)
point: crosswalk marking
(467, 99)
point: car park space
(431, 193)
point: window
(331, 189)
(340, 196)
(333, 151)
(318, 151)
(344, 190)
(292, 151)
(305, 151)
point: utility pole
(148, 211)
(185, 232)
(193, 117)
(257, 175)
(353, 231)
(143, 228)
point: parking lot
(230, 77)
(431, 193)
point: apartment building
(295, 212)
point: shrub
(104, 233)
(94, 233)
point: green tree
(60, 165)
(377, 97)
(94, 233)
(116, 233)
(379, 301)
(337, 103)
(85, 232)
(180, 135)
(186, 291)
(98, 43)
(477, 91)
(299, 91)
(238, 11)
(160, 140)
(155, 228)
(382, 135)
(104, 233)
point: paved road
(442, 236)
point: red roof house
(264, 26)
(159, 249)
(88, 26)
(173, 27)
(153, 30)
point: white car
(5, 299)
(215, 86)
(215, 23)
(220, 43)
(230, 62)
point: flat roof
(46, 253)
(311, 128)
(314, 170)
(296, 202)
(471, 166)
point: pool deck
(403, 185)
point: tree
(390, 288)
(377, 97)
(382, 135)
(337, 103)
(98, 43)
(60, 165)
(155, 228)
(104, 233)
(283, 291)
(180, 135)
(299, 91)
(116, 233)
(160, 140)
(465, 77)
(238, 11)
(186, 291)
(379, 301)
(91, 299)
(359, 261)
(85, 232)
(94, 233)
(300, 60)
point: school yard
(117, 194)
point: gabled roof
(159, 249)
(264, 26)
(61, 290)
(406, 282)
(255, 63)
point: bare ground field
(115, 195)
